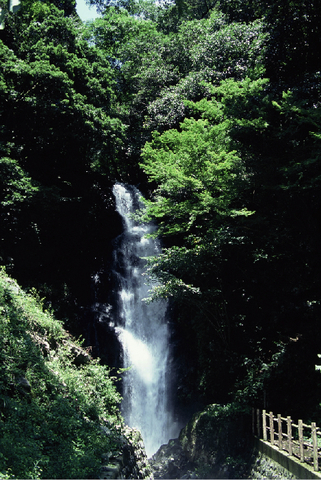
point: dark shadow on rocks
(216, 443)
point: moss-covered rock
(216, 443)
(217, 438)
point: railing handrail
(267, 422)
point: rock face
(128, 459)
(170, 461)
(216, 443)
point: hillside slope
(56, 402)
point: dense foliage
(54, 398)
(61, 143)
(244, 260)
(213, 108)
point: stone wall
(265, 467)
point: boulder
(216, 443)
(129, 459)
(170, 461)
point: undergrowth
(54, 398)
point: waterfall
(142, 330)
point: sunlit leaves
(199, 174)
(209, 50)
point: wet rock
(129, 460)
(216, 443)
(218, 440)
(212, 445)
(170, 461)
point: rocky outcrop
(216, 443)
(128, 459)
(170, 461)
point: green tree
(237, 195)
(62, 134)
(203, 54)
(158, 71)
(294, 29)
(200, 203)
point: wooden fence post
(280, 434)
(300, 430)
(271, 428)
(264, 425)
(280, 431)
(289, 433)
(315, 447)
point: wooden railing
(299, 440)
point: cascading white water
(142, 330)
